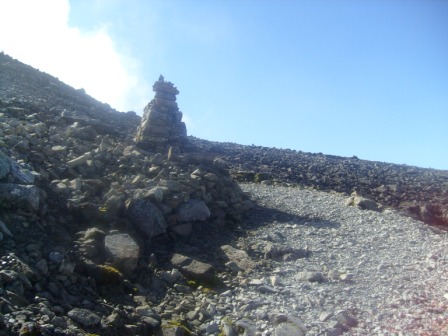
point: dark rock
(19, 196)
(84, 317)
(146, 217)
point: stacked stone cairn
(162, 125)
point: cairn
(162, 126)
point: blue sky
(364, 78)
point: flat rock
(193, 269)
(239, 257)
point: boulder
(193, 210)
(4, 165)
(239, 257)
(193, 269)
(361, 202)
(146, 217)
(19, 196)
(123, 252)
(84, 317)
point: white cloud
(37, 33)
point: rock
(239, 257)
(4, 165)
(79, 160)
(42, 266)
(346, 320)
(84, 317)
(248, 326)
(113, 320)
(59, 322)
(310, 276)
(146, 217)
(288, 329)
(228, 328)
(193, 269)
(123, 251)
(361, 202)
(20, 196)
(284, 253)
(193, 210)
(5, 229)
(172, 330)
(95, 234)
(212, 328)
(155, 194)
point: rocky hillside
(98, 208)
(82, 202)
(419, 192)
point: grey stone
(21, 196)
(310, 276)
(55, 257)
(248, 325)
(155, 194)
(146, 217)
(346, 320)
(239, 257)
(84, 317)
(193, 269)
(5, 229)
(212, 328)
(123, 251)
(59, 322)
(284, 253)
(4, 165)
(288, 329)
(193, 210)
(42, 266)
(361, 202)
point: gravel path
(368, 273)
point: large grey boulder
(146, 217)
(123, 251)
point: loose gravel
(384, 271)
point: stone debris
(416, 191)
(112, 224)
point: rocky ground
(111, 224)
(419, 192)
